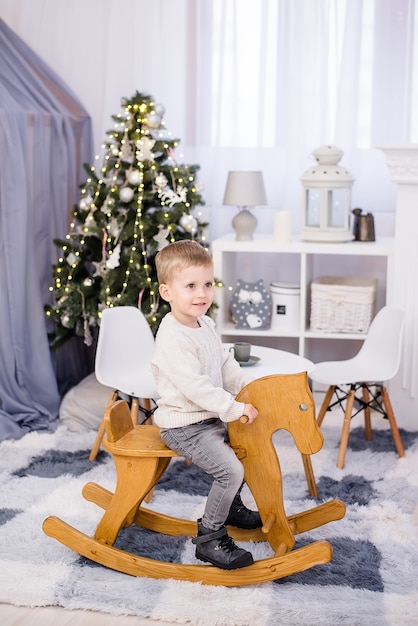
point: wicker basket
(341, 304)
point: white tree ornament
(162, 237)
(113, 260)
(144, 149)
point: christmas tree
(141, 200)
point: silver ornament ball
(65, 321)
(153, 120)
(189, 223)
(134, 177)
(159, 109)
(126, 194)
(160, 181)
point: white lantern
(327, 198)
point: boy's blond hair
(178, 256)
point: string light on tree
(133, 203)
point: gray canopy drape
(45, 137)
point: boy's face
(189, 293)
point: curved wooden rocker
(140, 456)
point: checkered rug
(371, 580)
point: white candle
(282, 227)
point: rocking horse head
(283, 402)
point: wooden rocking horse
(140, 456)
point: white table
(274, 361)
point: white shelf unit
(298, 262)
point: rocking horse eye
(303, 407)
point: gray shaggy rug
(372, 578)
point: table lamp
(244, 190)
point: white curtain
(246, 85)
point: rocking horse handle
(244, 418)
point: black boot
(241, 517)
(216, 547)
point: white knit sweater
(197, 378)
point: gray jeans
(204, 445)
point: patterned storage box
(342, 305)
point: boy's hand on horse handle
(250, 413)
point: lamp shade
(245, 189)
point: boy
(197, 380)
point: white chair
(124, 351)
(376, 362)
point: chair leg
(392, 422)
(97, 442)
(367, 420)
(310, 477)
(325, 404)
(135, 410)
(146, 404)
(101, 431)
(346, 428)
